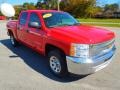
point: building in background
(117, 13)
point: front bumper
(86, 66)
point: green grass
(101, 22)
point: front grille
(102, 48)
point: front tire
(57, 63)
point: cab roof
(41, 11)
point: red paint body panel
(82, 34)
(60, 37)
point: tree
(80, 8)
(53, 4)
(92, 11)
(109, 9)
(27, 6)
(18, 9)
(0, 14)
(113, 7)
(42, 4)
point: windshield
(55, 19)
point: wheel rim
(55, 64)
(12, 40)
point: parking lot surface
(23, 69)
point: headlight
(79, 50)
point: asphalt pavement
(23, 69)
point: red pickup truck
(69, 45)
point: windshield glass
(55, 19)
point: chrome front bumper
(89, 65)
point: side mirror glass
(34, 25)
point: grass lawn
(101, 22)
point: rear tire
(13, 40)
(57, 63)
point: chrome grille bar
(102, 48)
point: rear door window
(23, 18)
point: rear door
(35, 35)
(22, 26)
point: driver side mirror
(34, 25)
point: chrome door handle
(27, 31)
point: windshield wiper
(60, 25)
(69, 24)
(76, 24)
(53, 26)
(64, 25)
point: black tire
(62, 60)
(13, 40)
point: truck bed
(12, 23)
(12, 27)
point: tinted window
(34, 18)
(23, 18)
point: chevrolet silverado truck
(70, 46)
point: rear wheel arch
(12, 38)
(10, 32)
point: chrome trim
(109, 41)
(85, 66)
(102, 48)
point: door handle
(19, 28)
(27, 31)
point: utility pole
(119, 6)
(58, 2)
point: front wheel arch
(49, 47)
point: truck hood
(81, 34)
